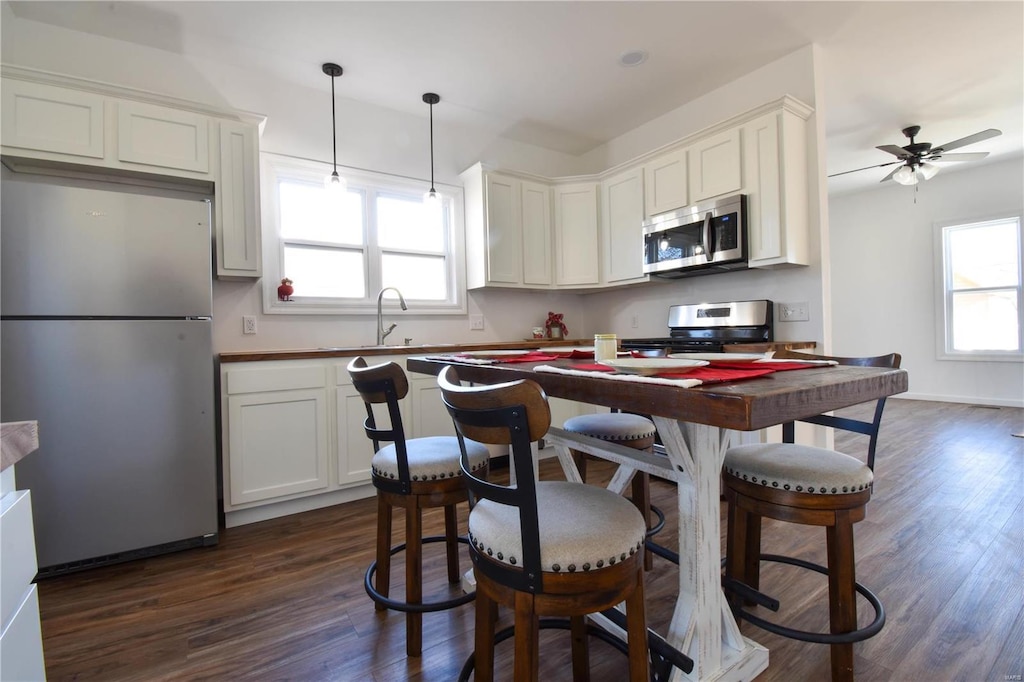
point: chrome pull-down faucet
(381, 332)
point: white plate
(566, 349)
(494, 353)
(648, 366)
(720, 357)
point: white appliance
(106, 342)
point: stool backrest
(515, 414)
(385, 383)
(870, 429)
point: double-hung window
(982, 289)
(340, 249)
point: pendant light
(905, 176)
(334, 182)
(431, 99)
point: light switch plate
(476, 322)
(793, 312)
(248, 324)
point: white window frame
(943, 305)
(275, 166)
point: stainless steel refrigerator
(105, 339)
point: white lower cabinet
(277, 432)
(21, 644)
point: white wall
(884, 277)
(371, 137)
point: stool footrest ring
(817, 637)
(406, 607)
(657, 527)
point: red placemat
(529, 357)
(707, 375)
(774, 366)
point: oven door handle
(708, 243)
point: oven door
(699, 236)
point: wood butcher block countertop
(350, 351)
(17, 439)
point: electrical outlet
(248, 324)
(476, 322)
(793, 312)
(634, 321)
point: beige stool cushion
(799, 468)
(582, 527)
(620, 427)
(430, 458)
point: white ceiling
(547, 72)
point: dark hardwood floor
(283, 599)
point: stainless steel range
(710, 327)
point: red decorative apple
(285, 291)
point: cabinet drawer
(51, 119)
(278, 379)
(158, 136)
(18, 549)
(21, 644)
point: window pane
(325, 272)
(309, 211)
(983, 256)
(985, 320)
(405, 222)
(419, 277)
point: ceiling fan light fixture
(905, 176)
(431, 196)
(334, 183)
(927, 170)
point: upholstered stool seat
(634, 431)
(799, 468)
(601, 530)
(431, 458)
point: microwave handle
(709, 243)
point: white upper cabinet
(576, 234)
(106, 127)
(164, 137)
(508, 230)
(715, 166)
(665, 184)
(49, 119)
(622, 216)
(775, 182)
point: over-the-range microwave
(697, 240)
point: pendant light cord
(334, 127)
(431, 146)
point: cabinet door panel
(158, 136)
(576, 235)
(622, 220)
(504, 231)
(536, 216)
(431, 418)
(355, 450)
(665, 186)
(237, 199)
(715, 166)
(278, 444)
(761, 152)
(50, 119)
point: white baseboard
(965, 399)
(273, 510)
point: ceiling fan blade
(970, 139)
(956, 158)
(889, 176)
(894, 150)
(857, 170)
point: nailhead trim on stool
(800, 468)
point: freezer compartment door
(76, 248)
(127, 450)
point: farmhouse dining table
(696, 425)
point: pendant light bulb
(432, 196)
(334, 183)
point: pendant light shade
(431, 196)
(928, 170)
(334, 182)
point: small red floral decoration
(555, 320)
(285, 291)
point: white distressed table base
(702, 625)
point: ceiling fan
(917, 160)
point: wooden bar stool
(543, 548)
(809, 486)
(631, 430)
(415, 474)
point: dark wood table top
(744, 405)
